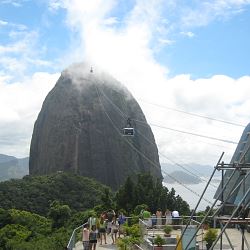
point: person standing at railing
(114, 230)
(147, 218)
(102, 230)
(110, 218)
(176, 218)
(121, 221)
(93, 238)
(154, 221)
(92, 220)
(85, 237)
(168, 216)
(159, 218)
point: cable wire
(172, 129)
(193, 114)
(123, 115)
(142, 154)
(190, 133)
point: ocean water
(190, 192)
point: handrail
(72, 240)
(138, 246)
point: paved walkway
(234, 235)
(235, 238)
(109, 246)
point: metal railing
(72, 241)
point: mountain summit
(80, 129)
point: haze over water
(192, 198)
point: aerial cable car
(91, 70)
(128, 130)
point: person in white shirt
(176, 218)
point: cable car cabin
(128, 132)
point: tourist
(114, 230)
(159, 218)
(176, 218)
(168, 216)
(154, 220)
(93, 238)
(92, 220)
(85, 237)
(121, 222)
(102, 230)
(147, 218)
(110, 218)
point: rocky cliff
(79, 129)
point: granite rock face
(79, 129)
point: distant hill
(182, 177)
(34, 194)
(15, 168)
(188, 175)
(12, 167)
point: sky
(184, 61)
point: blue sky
(188, 55)
(220, 48)
(217, 46)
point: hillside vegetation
(35, 194)
(41, 212)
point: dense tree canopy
(65, 201)
(151, 192)
(35, 194)
(25, 230)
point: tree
(59, 214)
(35, 193)
(125, 197)
(151, 192)
(5, 217)
(107, 199)
(182, 206)
(10, 235)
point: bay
(191, 192)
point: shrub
(159, 241)
(211, 235)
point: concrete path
(234, 235)
(109, 246)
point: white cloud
(205, 12)
(110, 21)
(187, 33)
(21, 53)
(3, 23)
(20, 103)
(13, 2)
(166, 41)
(219, 97)
(54, 5)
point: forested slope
(34, 194)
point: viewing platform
(234, 235)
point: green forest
(41, 212)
